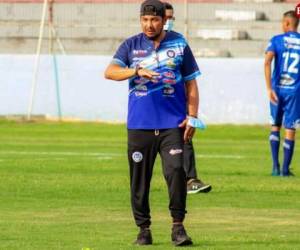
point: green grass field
(66, 186)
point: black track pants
(189, 161)
(143, 146)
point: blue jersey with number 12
(286, 73)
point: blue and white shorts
(287, 111)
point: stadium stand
(239, 15)
(217, 28)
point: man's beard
(153, 38)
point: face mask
(169, 25)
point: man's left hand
(188, 132)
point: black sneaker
(288, 174)
(144, 237)
(195, 186)
(179, 236)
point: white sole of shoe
(204, 189)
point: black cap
(153, 8)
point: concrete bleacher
(218, 28)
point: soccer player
(283, 90)
(162, 72)
(194, 184)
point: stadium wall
(231, 90)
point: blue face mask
(169, 25)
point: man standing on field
(162, 72)
(284, 90)
(194, 184)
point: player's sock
(275, 145)
(288, 150)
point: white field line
(109, 156)
(61, 153)
(104, 158)
(101, 158)
(117, 141)
(215, 156)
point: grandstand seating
(239, 15)
(217, 28)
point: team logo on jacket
(171, 53)
(137, 157)
(171, 64)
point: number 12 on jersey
(293, 67)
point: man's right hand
(273, 97)
(146, 73)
